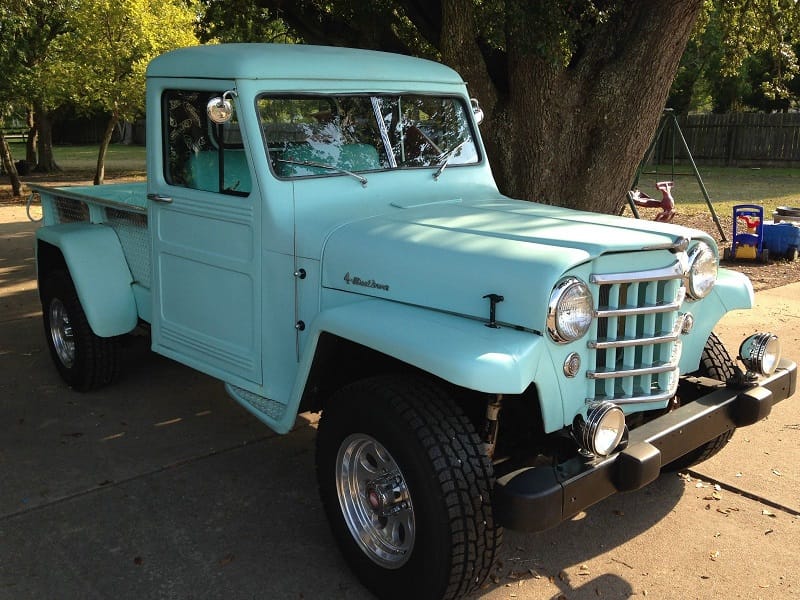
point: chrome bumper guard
(536, 498)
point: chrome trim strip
(636, 372)
(638, 310)
(660, 397)
(629, 342)
(674, 271)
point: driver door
(204, 217)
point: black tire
(432, 535)
(84, 360)
(716, 363)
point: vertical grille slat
(634, 354)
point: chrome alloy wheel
(375, 501)
(61, 333)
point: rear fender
(100, 273)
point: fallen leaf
(714, 555)
(226, 560)
(776, 472)
(768, 513)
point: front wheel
(716, 363)
(407, 489)
(84, 360)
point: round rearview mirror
(476, 110)
(219, 110)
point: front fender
(462, 351)
(732, 291)
(98, 268)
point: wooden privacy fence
(736, 140)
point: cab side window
(199, 154)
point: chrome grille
(634, 354)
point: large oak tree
(572, 89)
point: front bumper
(536, 498)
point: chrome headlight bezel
(703, 269)
(564, 324)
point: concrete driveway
(162, 487)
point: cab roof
(299, 62)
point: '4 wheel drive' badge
(368, 283)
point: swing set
(637, 198)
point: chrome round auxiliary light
(601, 431)
(761, 353)
(572, 365)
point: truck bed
(121, 206)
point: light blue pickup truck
(320, 230)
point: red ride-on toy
(748, 234)
(666, 204)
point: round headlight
(702, 271)
(570, 312)
(602, 429)
(761, 353)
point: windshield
(329, 135)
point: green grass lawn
(120, 159)
(728, 186)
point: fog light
(761, 353)
(602, 429)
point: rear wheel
(84, 360)
(715, 363)
(407, 489)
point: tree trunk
(573, 135)
(9, 167)
(587, 127)
(30, 143)
(46, 162)
(100, 172)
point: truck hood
(449, 255)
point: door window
(200, 154)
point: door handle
(159, 198)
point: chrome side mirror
(220, 109)
(477, 111)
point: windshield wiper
(445, 159)
(309, 163)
